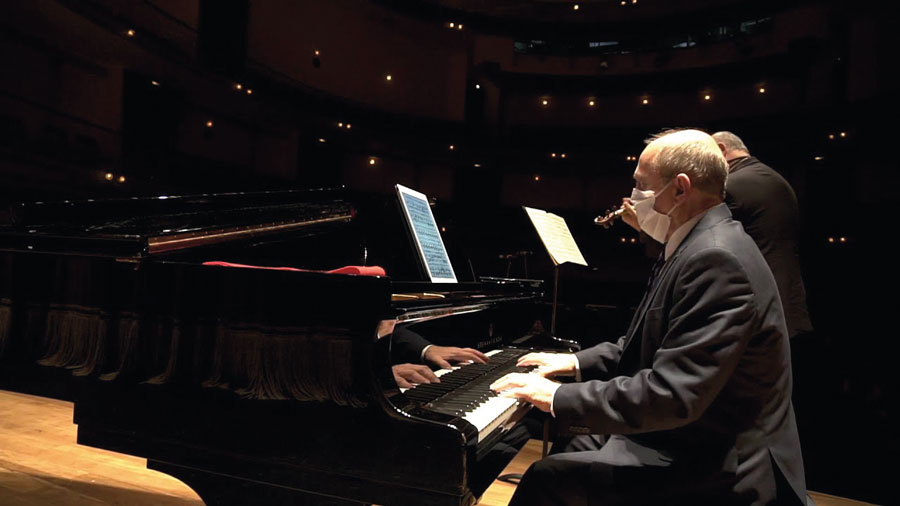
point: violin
(607, 220)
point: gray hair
(694, 153)
(732, 142)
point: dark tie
(654, 272)
(642, 308)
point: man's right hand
(629, 216)
(550, 364)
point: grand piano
(258, 385)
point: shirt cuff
(552, 400)
(577, 369)
(422, 356)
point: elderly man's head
(690, 152)
(686, 172)
(731, 145)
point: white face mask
(652, 222)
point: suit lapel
(645, 302)
(714, 215)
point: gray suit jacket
(701, 382)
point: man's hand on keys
(550, 364)
(529, 387)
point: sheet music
(428, 239)
(555, 235)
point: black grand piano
(257, 385)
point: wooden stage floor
(41, 465)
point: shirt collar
(680, 233)
(737, 163)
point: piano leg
(223, 490)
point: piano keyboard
(465, 392)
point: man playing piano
(695, 397)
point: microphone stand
(555, 300)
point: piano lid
(140, 227)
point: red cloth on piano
(361, 270)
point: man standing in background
(766, 205)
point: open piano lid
(140, 227)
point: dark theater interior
(209, 276)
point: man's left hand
(442, 356)
(529, 387)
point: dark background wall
(101, 98)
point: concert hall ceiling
(574, 14)
(191, 93)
